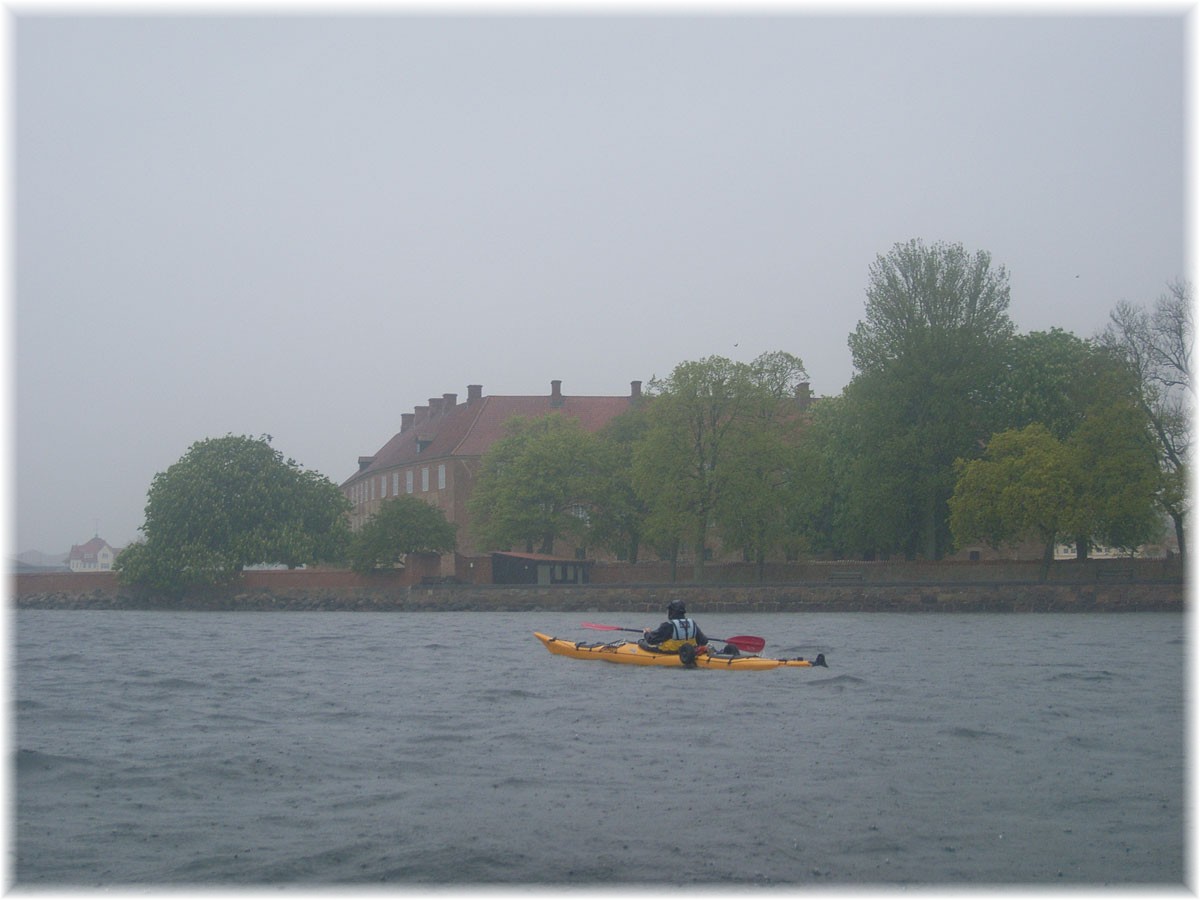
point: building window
(382, 485)
(408, 481)
(442, 477)
(395, 484)
(425, 478)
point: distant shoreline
(1165, 596)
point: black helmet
(675, 610)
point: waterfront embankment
(329, 591)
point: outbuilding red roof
(543, 557)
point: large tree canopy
(928, 354)
(1024, 486)
(232, 502)
(402, 525)
(1054, 377)
(712, 421)
(1097, 486)
(931, 300)
(1118, 476)
(863, 503)
(534, 483)
(617, 513)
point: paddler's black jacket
(667, 632)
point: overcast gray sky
(304, 227)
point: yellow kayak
(630, 653)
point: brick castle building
(436, 455)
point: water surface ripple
(248, 749)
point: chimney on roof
(635, 390)
(474, 392)
(803, 395)
(406, 420)
(435, 405)
(449, 401)
(420, 410)
(556, 397)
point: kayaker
(674, 633)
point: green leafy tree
(402, 525)
(228, 503)
(816, 479)
(758, 473)
(1097, 486)
(533, 485)
(1118, 477)
(1056, 379)
(708, 420)
(618, 514)
(1156, 344)
(674, 465)
(928, 354)
(1023, 486)
(752, 505)
(658, 482)
(877, 506)
(1053, 377)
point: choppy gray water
(450, 748)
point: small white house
(94, 556)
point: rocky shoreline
(896, 597)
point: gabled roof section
(593, 414)
(447, 429)
(88, 550)
(543, 558)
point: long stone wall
(891, 571)
(324, 591)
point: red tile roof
(543, 557)
(469, 429)
(88, 550)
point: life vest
(684, 633)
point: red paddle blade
(747, 642)
(604, 627)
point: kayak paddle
(747, 642)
